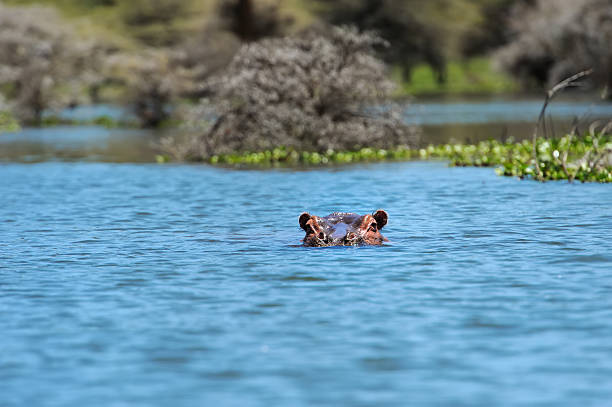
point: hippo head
(343, 229)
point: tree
(250, 20)
(156, 22)
(309, 92)
(552, 40)
(418, 31)
(491, 31)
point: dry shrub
(43, 62)
(309, 92)
(204, 56)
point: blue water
(90, 143)
(504, 111)
(91, 112)
(461, 121)
(146, 285)
(430, 112)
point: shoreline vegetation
(583, 157)
(211, 71)
(586, 158)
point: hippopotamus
(343, 229)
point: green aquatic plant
(586, 158)
(291, 157)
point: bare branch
(549, 96)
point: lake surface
(179, 285)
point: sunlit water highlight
(149, 285)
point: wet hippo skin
(343, 229)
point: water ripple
(187, 285)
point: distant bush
(310, 93)
(43, 63)
(553, 39)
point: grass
(473, 76)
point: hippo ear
(381, 218)
(304, 217)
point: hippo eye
(372, 227)
(321, 235)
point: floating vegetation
(586, 158)
(291, 157)
(103, 121)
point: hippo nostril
(351, 236)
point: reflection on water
(180, 285)
(91, 143)
(442, 122)
(501, 111)
(91, 112)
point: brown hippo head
(343, 229)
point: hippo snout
(351, 238)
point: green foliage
(418, 31)
(474, 76)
